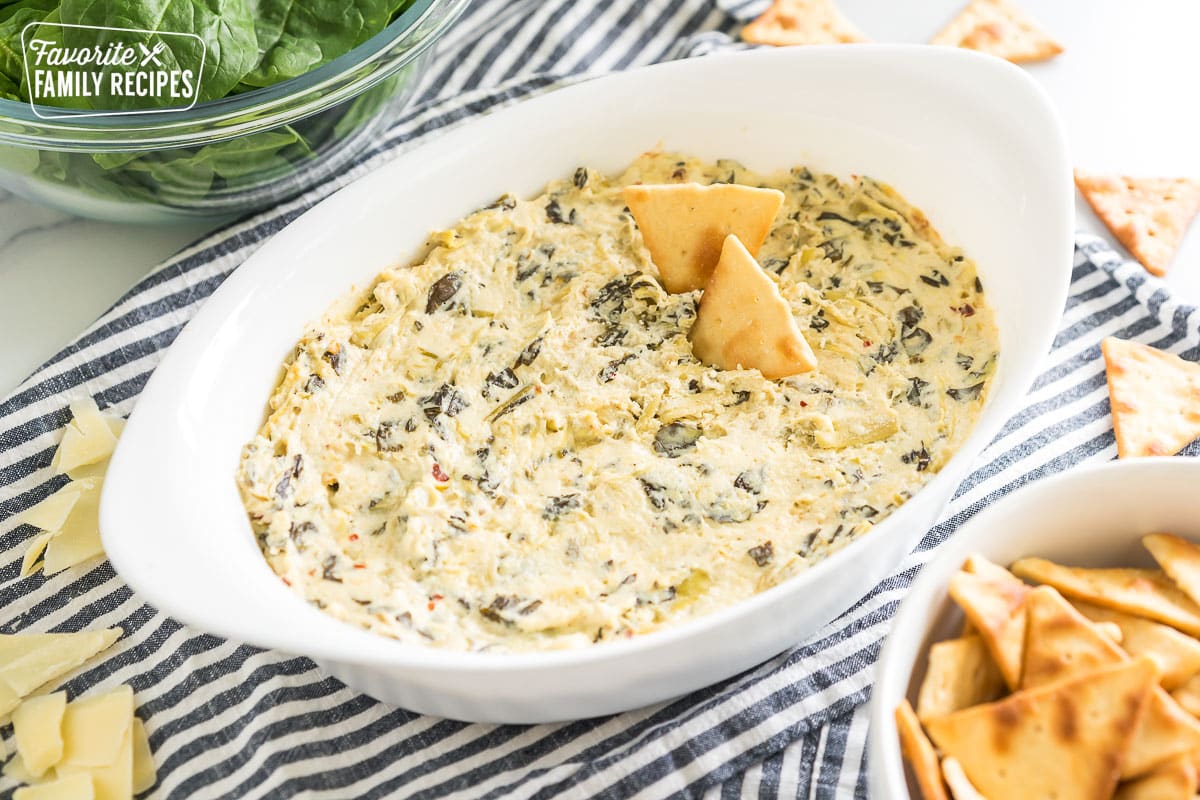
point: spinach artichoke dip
(511, 446)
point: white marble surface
(1125, 88)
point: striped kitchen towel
(227, 720)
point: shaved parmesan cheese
(37, 727)
(51, 513)
(96, 731)
(79, 538)
(71, 787)
(15, 768)
(88, 438)
(33, 553)
(144, 775)
(9, 699)
(115, 782)
(28, 661)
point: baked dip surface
(510, 445)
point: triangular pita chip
(997, 611)
(1176, 654)
(1148, 215)
(1166, 731)
(1188, 696)
(1065, 740)
(1174, 780)
(960, 785)
(977, 564)
(1179, 558)
(919, 753)
(744, 322)
(789, 22)
(1155, 399)
(685, 225)
(961, 673)
(1142, 592)
(1060, 642)
(1001, 29)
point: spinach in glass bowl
(290, 92)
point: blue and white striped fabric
(226, 720)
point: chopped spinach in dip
(509, 445)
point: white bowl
(969, 139)
(1090, 516)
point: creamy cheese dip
(509, 445)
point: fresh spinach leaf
(225, 26)
(297, 36)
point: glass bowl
(225, 157)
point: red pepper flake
(354, 537)
(360, 566)
(439, 474)
(287, 582)
(866, 342)
(432, 606)
(437, 597)
(803, 404)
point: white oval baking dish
(1091, 516)
(968, 138)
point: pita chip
(1188, 696)
(996, 609)
(1113, 631)
(1060, 642)
(1176, 778)
(1001, 29)
(789, 22)
(743, 321)
(1179, 558)
(960, 674)
(1150, 216)
(960, 785)
(684, 226)
(919, 753)
(1145, 593)
(1155, 399)
(1166, 731)
(1066, 739)
(977, 564)
(1176, 654)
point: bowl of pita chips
(1052, 649)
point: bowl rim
(373, 649)
(343, 78)
(888, 773)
